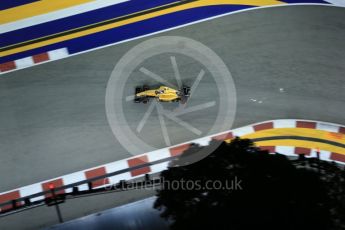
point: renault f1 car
(163, 94)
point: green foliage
(272, 191)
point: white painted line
(70, 11)
(74, 178)
(203, 141)
(340, 3)
(158, 154)
(327, 127)
(159, 167)
(284, 124)
(114, 166)
(286, 150)
(324, 155)
(181, 26)
(243, 131)
(32, 189)
(58, 54)
(24, 62)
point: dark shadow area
(240, 186)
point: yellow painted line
(37, 8)
(128, 15)
(303, 144)
(140, 18)
(303, 132)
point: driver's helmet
(160, 91)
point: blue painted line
(7, 4)
(132, 30)
(79, 20)
(149, 26)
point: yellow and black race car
(163, 94)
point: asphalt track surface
(53, 118)
(286, 62)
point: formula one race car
(163, 94)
